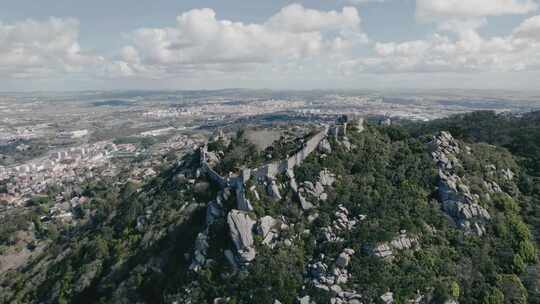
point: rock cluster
(342, 223)
(456, 198)
(327, 178)
(492, 187)
(508, 174)
(241, 229)
(329, 279)
(386, 250)
(315, 192)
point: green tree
(494, 296)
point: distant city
(66, 138)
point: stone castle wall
(268, 171)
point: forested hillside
(440, 212)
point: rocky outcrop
(508, 174)
(388, 297)
(492, 187)
(327, 178)
(241, 229)
(359, 125)
(455, 196)
(268, 229)
(325, 147)
(341, 224)
(386, 250)
(330, 278)
(309, 193)
(382, 250)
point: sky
(65, 45)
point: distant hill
(112, 103)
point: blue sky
(316, 44)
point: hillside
(442, 212)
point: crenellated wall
(268, 171)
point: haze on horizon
(311, 44)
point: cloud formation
(295, 43)
(41, 48)
(201, 41)
(468, 52)
(430, 9)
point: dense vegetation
(520, 135)
(136, 240)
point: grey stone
(388, 297)
(267, 229)
(326, 178)
(241, 228)
(325, 147)
(343, 260)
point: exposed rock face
(253, 190)
(325, 147)
(402, 242)
(455, 196)
(241, 227)
(360, 125)
(268, 230)
(508, 174)
(315, 192)
(492, 187)
(341, 224)
(346, 143)
(326, 178)
(382, 250)
(292, 181)
(388, 298)
(212, 158)
(329, 279)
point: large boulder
(326, 178)
(241, 228)
(268, 230)
(325, 147)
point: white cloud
(200, 41)
(529, 29)
(41, 48)
(432, 9)
(297, 19)
(359, 2)
(468, 52)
